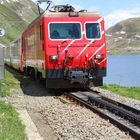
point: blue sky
(113, 10)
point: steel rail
(127, 114)
(134, 110)
(114, 121)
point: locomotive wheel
(38, 76)
(32, 73)
(26, 71)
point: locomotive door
(40, 53)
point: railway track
(124, 117)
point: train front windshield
(93, 30)
(73, 31)
(65, 30)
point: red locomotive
(64, 47)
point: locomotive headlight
(54, 57)
(99, 56)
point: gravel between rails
(131, 102)
(69, 122)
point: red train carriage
(66, 48)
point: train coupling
(77, 76)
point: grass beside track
(131, 92)
(11, 127)
(11, 83)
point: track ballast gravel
(69, 122)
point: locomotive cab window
(93, 30)
(65, 30)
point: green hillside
(15, 15)
(124, 37)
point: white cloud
(120, 15)
(93, 8)
(77, 7)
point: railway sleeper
(114, 108)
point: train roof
(48, 14)
(64, 11)
(71, 14)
